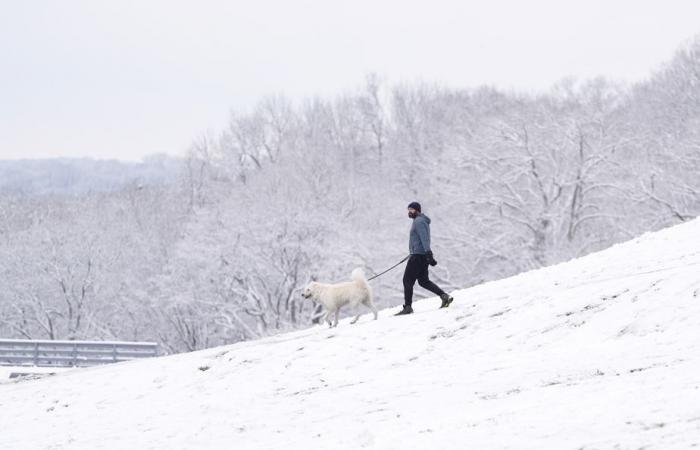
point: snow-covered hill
(600, 352)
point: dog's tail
(358, 275)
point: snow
(599, 352)
(6, 371)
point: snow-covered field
(601, 352)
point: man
(420, 257)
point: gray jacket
(419, 238)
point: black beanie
(414, 205)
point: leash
(390, 268)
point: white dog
(335, 296)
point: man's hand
(430, 259)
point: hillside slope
(600, 352)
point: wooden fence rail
(21, 352)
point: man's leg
(424, 280)
(409, 279)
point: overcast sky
(122, 79)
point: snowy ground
(602, 352)
(7, 371)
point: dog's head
(308, 291)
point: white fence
(21, 352)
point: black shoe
(446, 300)
(404, 311)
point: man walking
(420, 257)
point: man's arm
(424, 235)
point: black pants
(417, 269)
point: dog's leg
(374, 310)
(337, 313)
(368, 303)
(357, 313)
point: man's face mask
(412, 213)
